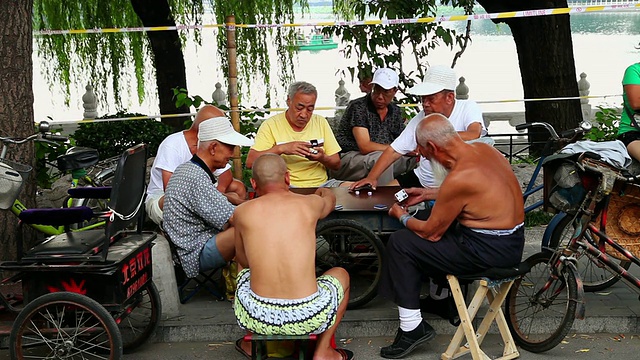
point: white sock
(409, 318)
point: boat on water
(315, 42)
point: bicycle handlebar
(565, 135)
(43, 134)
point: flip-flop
(242, 351)
(346, 354)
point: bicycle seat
(78, 158)
(56, 216)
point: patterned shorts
(266, 316)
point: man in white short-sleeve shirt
(437, 92)
(177, 149)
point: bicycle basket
(563, 189)
(12, 176)
(623, 213)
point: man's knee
(341, 274)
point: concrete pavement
(615, 310)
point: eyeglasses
(379, 90)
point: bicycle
(552, 291)
(594, 276)
(76, 161)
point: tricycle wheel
(142, 320)
(348, 244)
(65, 325)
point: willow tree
(546, 59)
(102, 57)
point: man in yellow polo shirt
(304, 140)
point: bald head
(206, 112)
(437, 129)
(269, 169)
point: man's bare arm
(328, 201)
(473, 132)
(241, 256)
(363, 139)
(633, 95)
(166, 175)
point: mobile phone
(316, 142)
(401, 196)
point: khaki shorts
(153, 209)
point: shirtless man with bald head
(178, 148)
(476, 224)
(278, 293)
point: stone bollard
(165, 278)
(342, 99)
(462, 90)
(583, 90)
(89, 103)
(219, 96)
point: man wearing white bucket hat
(437, 93)
(196, 213)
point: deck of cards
(380, 206)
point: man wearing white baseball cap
(437, 92)
(368, 126)
(196, 213)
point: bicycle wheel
(142, 320)
(540, 308)
(65, 325)
(346, 243)
(595, 275)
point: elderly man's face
(382, 97)
(300, 109)
(221, 153)
(440, 102)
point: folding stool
(494, 286)
(303, 345)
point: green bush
(606, 127)
(111, 138)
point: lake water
(603, 47)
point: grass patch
(536, 218)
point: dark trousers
(410, 258)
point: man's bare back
(493, 196)
(277, 232)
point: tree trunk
(167, 54)
(16, 105)
(547, 67)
